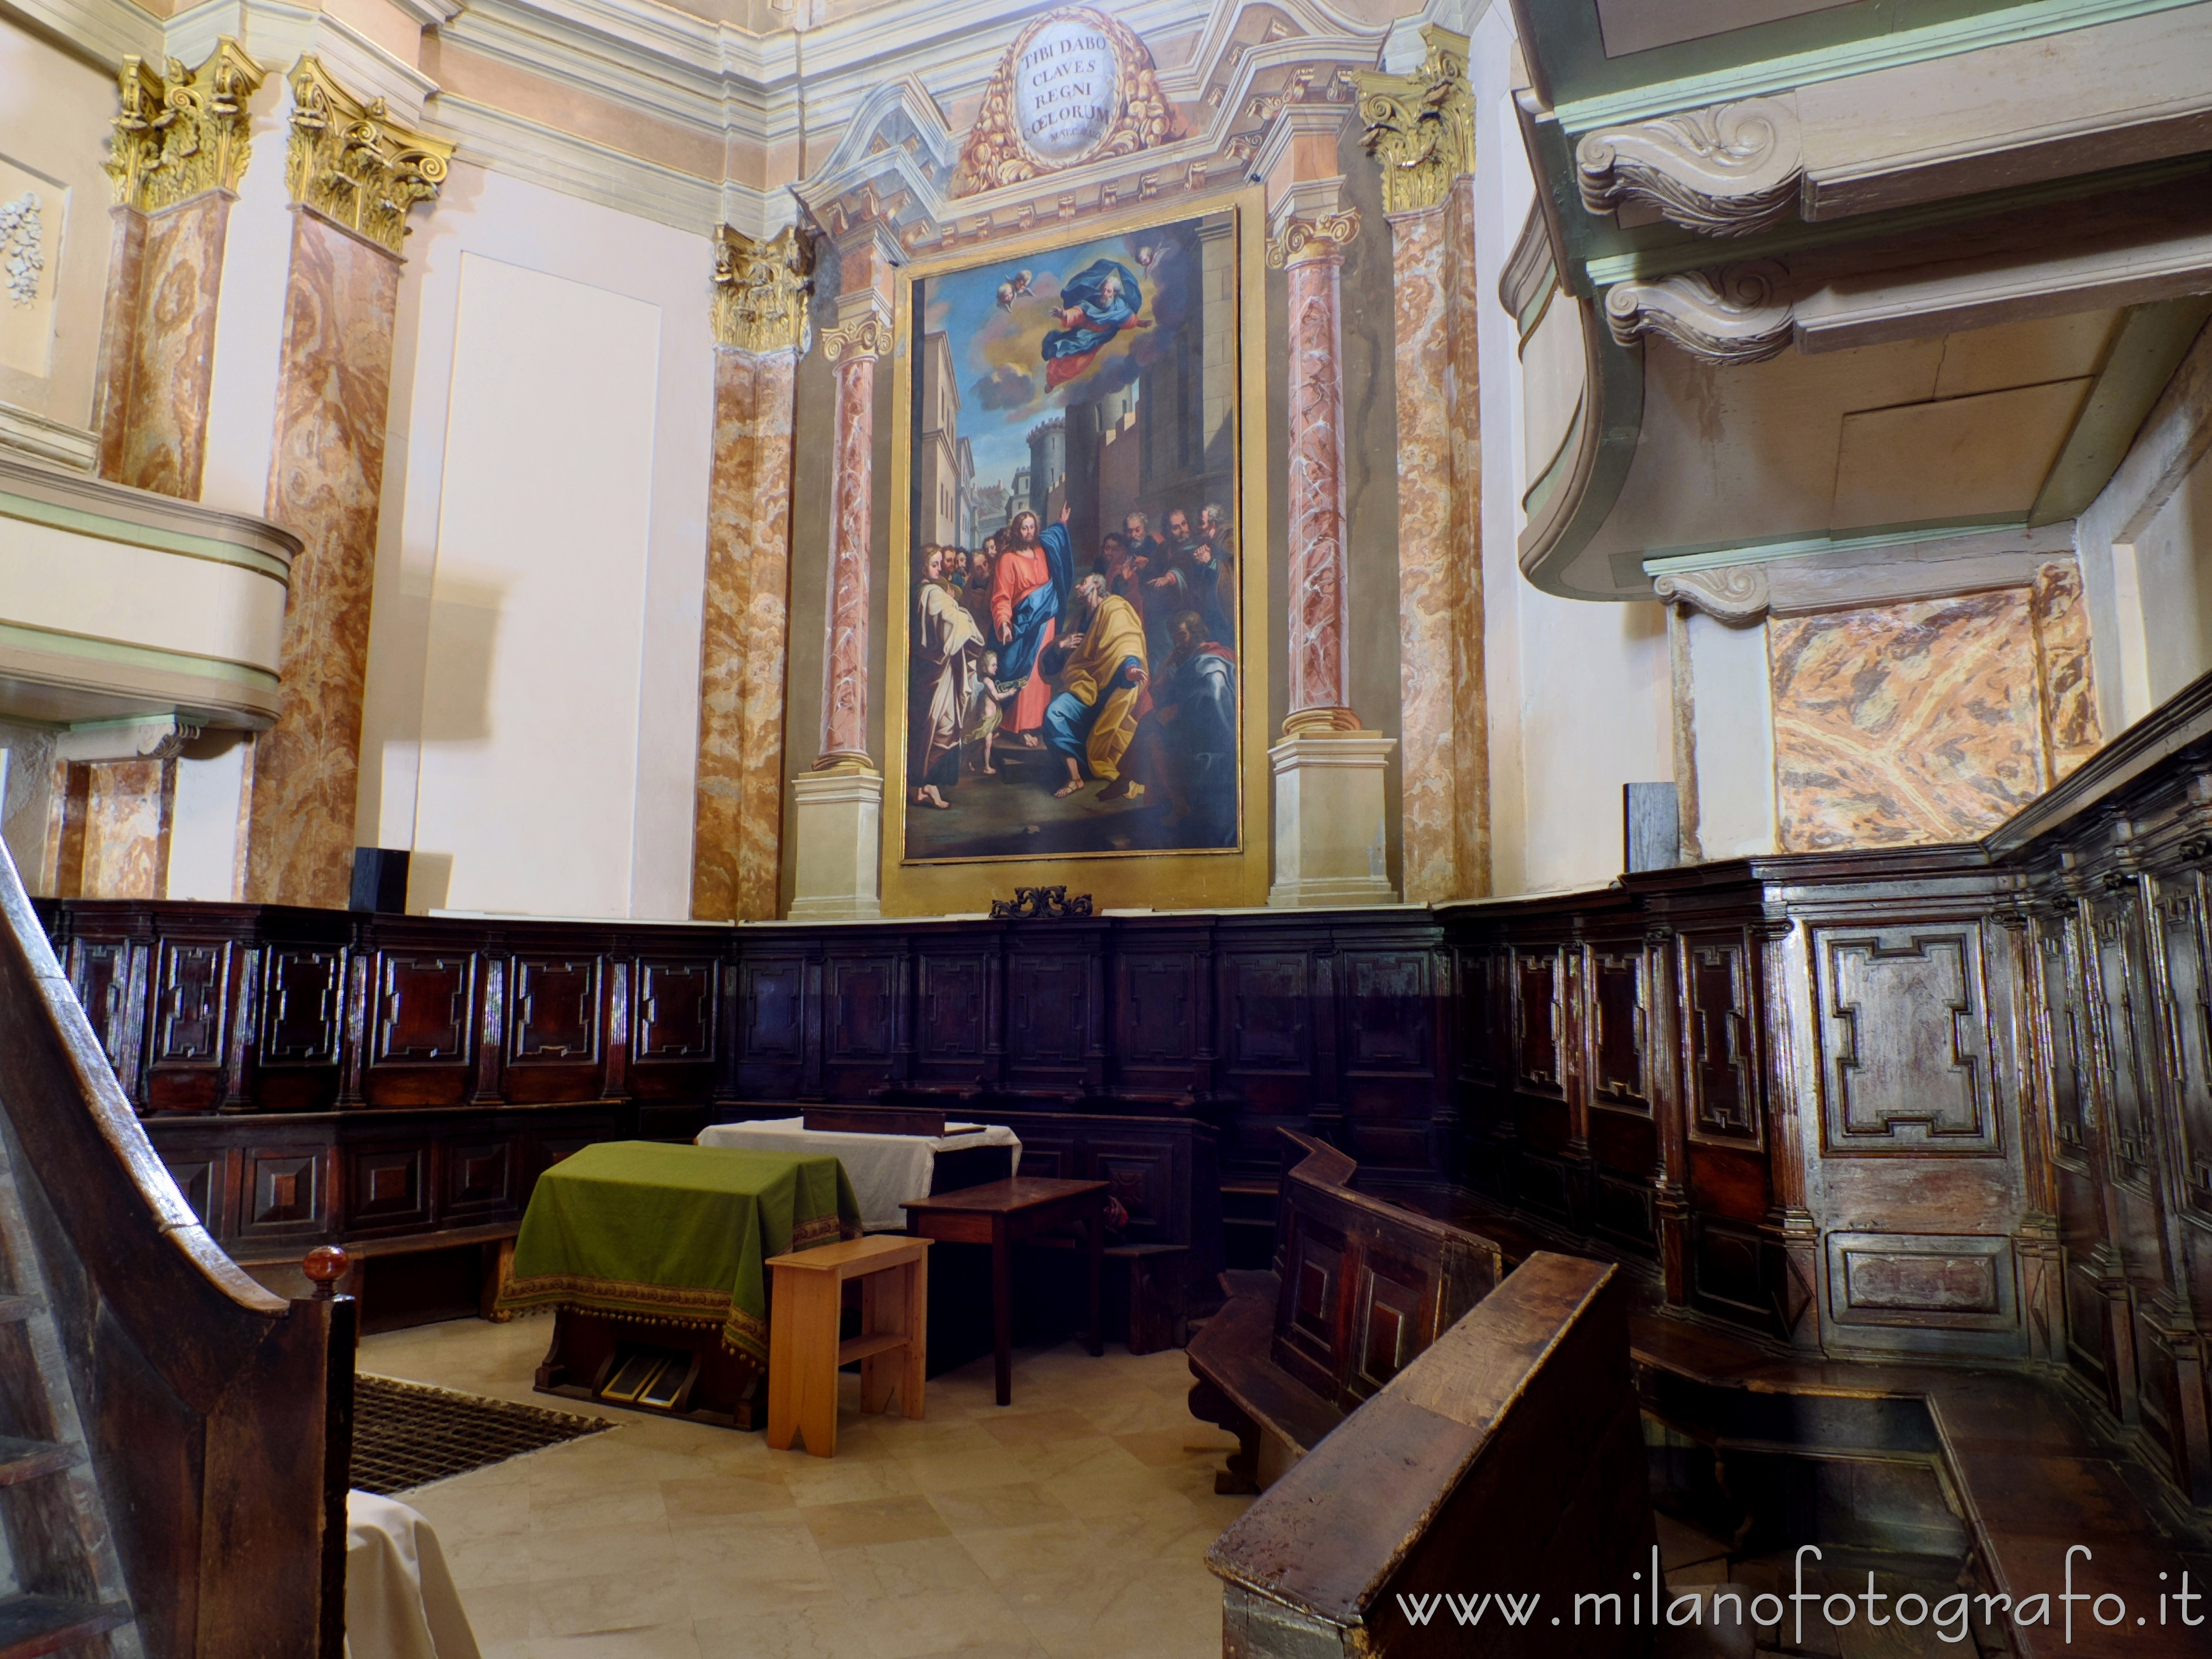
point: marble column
(181, 144)
(326, 473)
(759, 323)
(1331, 843)
(1420, 128)
(838, 803)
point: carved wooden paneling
(952, 1005)
(479, 1176)
(198, 1177)
(1538, 1021)
(2189, 1016)
(1313, 1265)
(423, 1005)
(1620, 1209)
(675, 1011)
(1145, 1178)
(100, 976)
(283, 1192)
(2124, 996)
(1157, 1022)
(189, 1003)
(1722, 1085)
(1387, 1006)
(1921, 1282)
(388, 1186)
(302, 1005)
(1047, 1009)
(772, 1009)
(1386, 1321)
(859, 994)
(2068, 1082)
(555, 1011)
(1905, 1066)
(1266, 1011)
(1619, 1014)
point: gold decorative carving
(1131, 115)
(760, 290)
(1421, 127)
(1301, 240)
(354, 165)
(871, 336)
(181, 131)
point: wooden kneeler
(804, 1354)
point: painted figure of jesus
(1029, 587)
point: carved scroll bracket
(354, 165)
(760, 291)
(1731, 170)
(1420, 127)
(181, 131)
(1735, 315)
(1736, 595)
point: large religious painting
(1073, 560)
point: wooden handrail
(207, 1400)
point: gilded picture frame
(921, 872)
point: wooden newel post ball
(326, 1264)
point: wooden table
(1002, 1214)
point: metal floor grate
(407, 1435)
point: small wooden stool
(804, 1352)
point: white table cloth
(400, 1599)
(884, 1170)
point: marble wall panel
(163, 446)
(1443, 710)
(126, 810)
(1906, 724)
(2071, 730)
(119, 335)
(737, 832)
(334, 382)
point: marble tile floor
(1073, 1524)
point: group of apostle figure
(1010, 644)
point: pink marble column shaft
(161, 443)
(119, 335)
(737, 817)
(852, 492)
(325, 478)
(1471, 707)
(1320, 681)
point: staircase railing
(216, 1412)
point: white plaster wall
(532, 714)
(1732, 698)
(249, 319)
(1579, 691)
(203, 817)
(54, 114)
(2173, 577)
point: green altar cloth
(673, 1234)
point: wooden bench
(1358, 1288)
(1506, 1461)
(277, 1268)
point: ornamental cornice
(354, 165)
(180, 132)
(1420, 127)
(1300, 240)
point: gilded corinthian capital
(1421, 127)
(760, 291)
(353, 164)
(182, 131)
